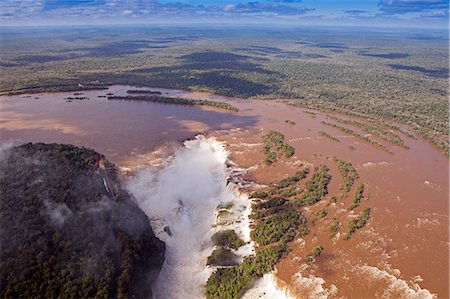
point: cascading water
(183, 202)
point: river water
(402, 252)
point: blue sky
(412, 13)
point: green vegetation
(348, 172)
(315, 188)
(64, 234)
(176, 101)
(276, 222)
(357, 135)
(289, 181)
(321, 213)
(315, 252)
(223, 213)
(259, 194)
(334, 228)
(141, 91)
(222, 257)
(326, 135)
(357, 223)
(285, 188)
(375, 130)
(274, 146)
(227, 238)
(358, 196)
(245, 63)
(231, 282)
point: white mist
(181, 201)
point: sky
(378, 13)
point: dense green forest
(394, 76)
(276, 223)
(68, 230)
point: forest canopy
(68, 230)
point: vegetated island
(68, 230)
(53, 88)
(276, 221)
(177, 101)
(143, 91)
(277, 218)
(275, 147)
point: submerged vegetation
(275, 146)
(334, 228)
(315, 252)
(348, 173)
(326, 135)
(228, 239)
(222, 257)
(358, 196)
(142, 91)
(275, 222)
(375, 130)
(231, 282)
(290, 122)
(357, 223)
(358, 135)
(316, 188)
(176, 101)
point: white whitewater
(187, 201)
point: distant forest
(398, 77)
(68, 230)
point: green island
(275, 146)
(348, 173)
(334, 228)
(315, 252)
(176, 101)
(358, 135)
(358, 196)
(143, 91)
(315, 188)
(275, 222)
(357, 223)
(285, 188)
(71, 230)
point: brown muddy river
(403, 251)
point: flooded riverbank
(403, 250)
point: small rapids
(187, 201)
